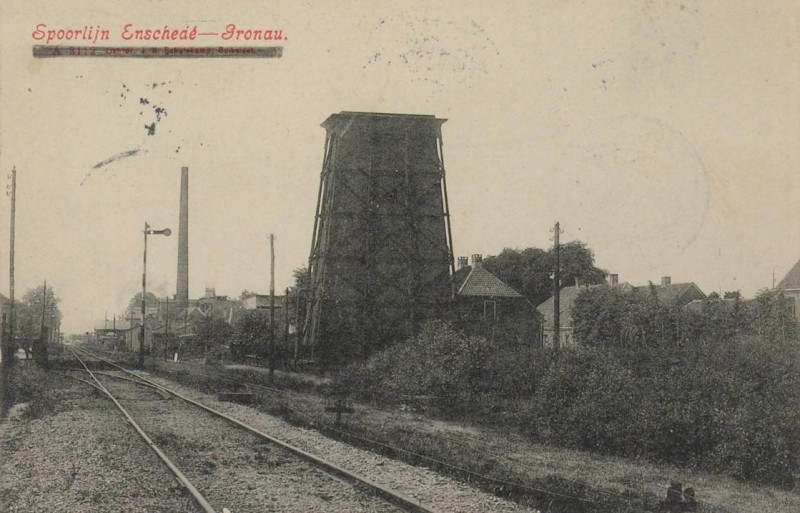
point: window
(490, 310)
(791, 306)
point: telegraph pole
(8, 350)
(40, 353)
(557, 290)
(166, 331)
(52, 331)
(5, 356)
(297, 318)
(144, 294)
(271, 307)
(286, 320)
(142, 333)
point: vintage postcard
(551, 247)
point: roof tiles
(480, 282)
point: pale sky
(664, 134)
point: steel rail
(123, 378)
(179, 476)
(81, 380)
(394, 497)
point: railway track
(241, 469)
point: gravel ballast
(235, 469)
(432, 489)
(82, 458)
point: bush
(218, 355)
(732, 408)
(29, 384)
(586, 401)
(438, 363)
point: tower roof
(347, 120)
(792, 278)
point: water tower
(381, 256)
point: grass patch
(515, 467)
(29, 384)
(390, 435)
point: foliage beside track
(32, 385)
(732, 408)
(380, 431)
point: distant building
(676, 293)
(567, 297)
(218, 307)
(666, 292)
(171, 323)
(484, 302)
(726, 304)
(112, 332)
(790, 286)
(133, 333)
(261, 302)
(189, 316)
(136, 312)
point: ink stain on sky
(113, 158)
(153, 111)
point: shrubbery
(586, 401)
(727, 408)
(28, 384)
(438, 363)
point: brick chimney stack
(666, 280)
(182, 292)
(477, 260)
(463, 262)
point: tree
(34, 319)
(251, 334)
(599, 315)
(719, 321)
(213, 330)
(136, 301)
(732, 294)
(774, 319)
(577, 263)
(529, 271)
(302, 278)
(299, 291)
(612, 317)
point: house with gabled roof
(475, 281)
(485, 303)
(675, 293)
(566, 301)
(678, 294)
(790, 286)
